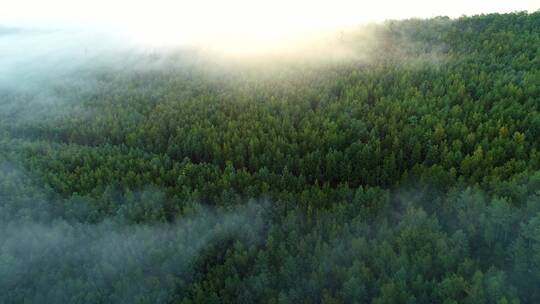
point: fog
(41, 40)
(69, 32)
(36, 58)
(183, 21)
(112, 259)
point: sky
(162, 20)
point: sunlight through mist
(237, 25)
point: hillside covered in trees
(405, 172)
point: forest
(407, 171)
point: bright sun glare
(240, 24)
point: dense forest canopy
(402, 169)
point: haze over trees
(403, 170)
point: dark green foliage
(411, 177)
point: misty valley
(395, 162)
